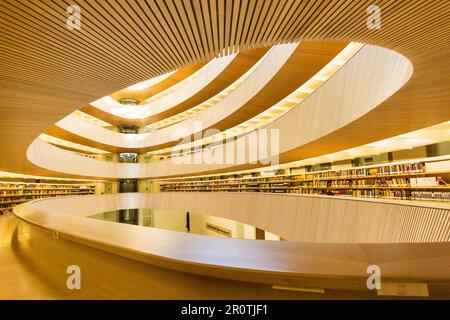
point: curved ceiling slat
(373, 73)
(192, 86)
(263, 73)
(42, 83)
(159, 110)
(285, 68)
(165, 83)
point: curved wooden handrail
(326, 265)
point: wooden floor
(19, 279)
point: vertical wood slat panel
(416, 29)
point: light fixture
(129, 102)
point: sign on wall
(218, 229)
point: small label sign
(218, 229)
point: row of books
(406, 168)
(367, 172)
(46, 191)
(395, 181)
(8, 200)
(403, 194)
(46, 194)
(21, 186)
(359, 183)
(12, 193)
(364, 193)
(431, 196)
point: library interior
(239, 149)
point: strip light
(4, 174)
(68, 144)
(180, 84)
(205, 105)
(126, 111)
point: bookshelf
(13, 193)
(414, 180)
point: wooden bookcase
(13, 193)
(414, 180)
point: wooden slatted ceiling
(48, 71)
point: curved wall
(293, 217)
(263, 73)
(207, 74)
(370, 77)
(147, 89)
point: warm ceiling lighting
(112, 106)
(72, 145)
(281, 107)
(4, 174)
(180, 84)
(91, 119)
(129, 101)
